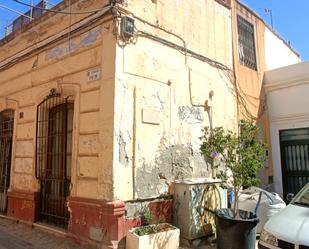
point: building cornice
(295, 117)
(286, 84)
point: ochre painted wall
(250, 89)
(63, 64)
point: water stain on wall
(172, 163)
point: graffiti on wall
(190, 114)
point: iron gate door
(294, 159)
(6, 135)
(53, 163)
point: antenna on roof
(31, 9)
(270, 12)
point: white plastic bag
(270, 204)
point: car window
(303, 197)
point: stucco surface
(63, 65)
(157, 125)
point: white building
(287, 92)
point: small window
(246, 43)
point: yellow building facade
(103, 102)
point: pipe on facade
(134, 144)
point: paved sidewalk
(203, 247)
(15, 235)
(204, 244)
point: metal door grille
(53, 157)
(6, 133)
(294, 159)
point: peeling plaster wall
(157, 130)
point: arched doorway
(54, 153)
(6, 139)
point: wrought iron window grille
(246, 43)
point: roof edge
(268, 26)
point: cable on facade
(241, 98)
(237, 91)
(37, 49)
(63, 12)
(183, 49)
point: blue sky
(290, 18)
(9, 16)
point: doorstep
(51, 229)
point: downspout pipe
(134, 145)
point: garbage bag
(268, 206)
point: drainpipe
(134, 143)
(235, 59)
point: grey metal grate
(246, 43)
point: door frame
(284, 170)
(44, 109)
(8, 173)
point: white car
(289, 229)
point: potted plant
(153, 236)
(241, 156)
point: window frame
(242, 61)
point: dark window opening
(246, 43)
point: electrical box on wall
(127, 27)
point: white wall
(277, 53)
(288, 108)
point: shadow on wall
(265, 173)
(173, 163)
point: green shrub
(242, 154)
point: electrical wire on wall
(224, 71)
(187, 52)
(70, 25)
(62, 12)
(94, 18)
(117, 13)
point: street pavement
(206, 243)
(15, 235)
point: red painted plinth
(97, 223)
(23, 205)
(132, 222)
(161, 211)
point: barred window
(246, 43)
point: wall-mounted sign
(94, 74)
